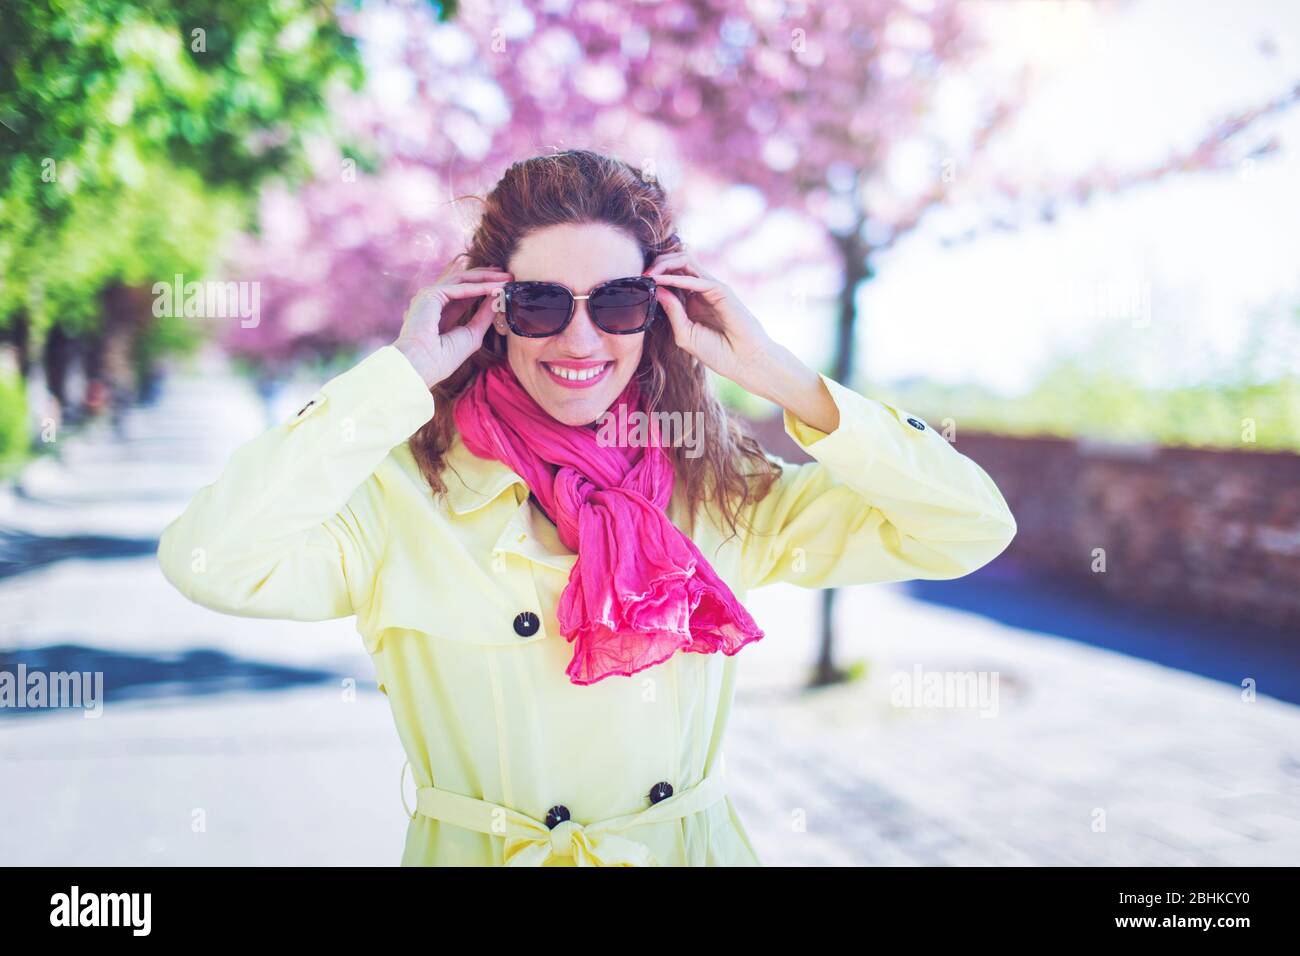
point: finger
(693, 262)
(456, 270)
(454, 266)
(477, 321)
(692, 283)
(459, 290)
(487, 310)
(478, 327)
(683, 259)
(695, 285)
(465, 339)
(677, 317)
(454, 314)
(669, 260)
(702, 272)
(483, 322)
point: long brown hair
(581, 186)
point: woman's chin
(577, 414)
(571, 407)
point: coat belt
(529, 842)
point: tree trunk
(126, 318)
(853, 259)
(59, 352)
(19, 335)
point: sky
(1161, 278)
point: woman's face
(579, 257)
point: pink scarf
(639, 590)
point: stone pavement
(1087, 756)
(1090, 757)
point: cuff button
(917, 424)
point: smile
(577, 377)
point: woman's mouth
(577, 375)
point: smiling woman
(556, 617)
(575, 221)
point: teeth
(576, 375)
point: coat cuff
(864, 422)
(385, 377)
(883, 450)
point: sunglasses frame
(651, 310)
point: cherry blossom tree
(826, 109)
(819, 107)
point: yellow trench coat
(326, 515)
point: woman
(552, 599)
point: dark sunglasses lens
(539, 310)
(623, 306)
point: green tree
(132, 135)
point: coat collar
(473, 482)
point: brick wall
(1214, 531)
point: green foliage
(133, 135)
(170, 223)
(1098, 393)
(227, 88)
(857, 670)
(13, 421)
(1070, 406)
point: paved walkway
(242, 742)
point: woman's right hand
(434, 337)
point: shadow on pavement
(21, 552)
(189, 673)
(1219, 649)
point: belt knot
(564, 836)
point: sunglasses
(619, 306)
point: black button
(307, 406)
(556, 815)
(660, 791)
(526, 624)
(917, 424)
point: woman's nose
(581, 335)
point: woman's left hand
(714, 326)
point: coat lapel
(474, 482)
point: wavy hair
(581, 186)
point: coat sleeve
(294, 525)
(886, 498)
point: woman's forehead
(576, 256)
